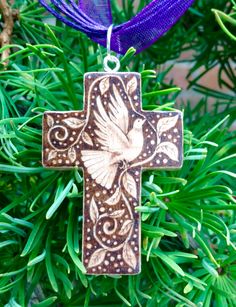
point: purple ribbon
(93, 17)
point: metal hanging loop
(110, 59)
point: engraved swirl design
(56, 135)
(110, 226)
(105, 227)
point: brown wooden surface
(112, 140)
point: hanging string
(93, 17)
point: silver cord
(110, 58)
(109, 33)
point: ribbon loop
(94, 18)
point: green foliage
(223, 18)
(188, 216)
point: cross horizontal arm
(63, 136)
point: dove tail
(99, 165)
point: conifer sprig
(188, 216)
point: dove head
(138, 123)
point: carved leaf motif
(52, 154)
(72, 154)
(104, 85)
(114, 198)
(169, 149)
(97, 257)
(50, 120)
(86, 138)
(116, 214)
(125, 227)
(74, 122)
(130, 184)
(132, 85)
(129, 256)
(166, 123)
(93, 211)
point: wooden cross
(112, 140)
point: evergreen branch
(188, 216)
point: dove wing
(110, 136)
(118, 112)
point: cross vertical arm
(111, 230)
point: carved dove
(118, 144)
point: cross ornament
(112, 140)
